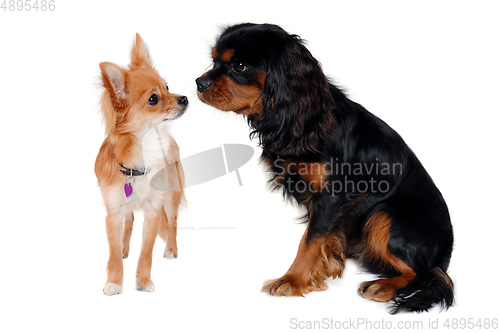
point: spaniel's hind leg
(376, 234)
(384, 290)
(419, 271)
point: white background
(430, 69)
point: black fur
(306, 118)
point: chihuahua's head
(137, 98)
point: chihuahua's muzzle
(182, 104)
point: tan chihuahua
(135, 105)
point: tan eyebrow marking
(227, 55)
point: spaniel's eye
(153, 100)
(239, 67)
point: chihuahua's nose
(203, 84)
(183, 100)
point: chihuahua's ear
(115, 97)
(139, 57)
(114, 79)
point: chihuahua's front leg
(151, 223)
(114, 226)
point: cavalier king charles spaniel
(367, 195)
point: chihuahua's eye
(153, 100)
(239, 67)
(166, 86)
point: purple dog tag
(128, 190)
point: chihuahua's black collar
(133, 172)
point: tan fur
(128, 224)
(227, 55)
(226, 95)
(215, 54)
(128, 117)
(383, 290)
(316, 260)
(376, 236)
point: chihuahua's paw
(145, 285)
(111, 289)
(170, 253)
(125, 251)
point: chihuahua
(136, 105)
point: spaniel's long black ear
(298, 107)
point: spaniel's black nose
(203, 84)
